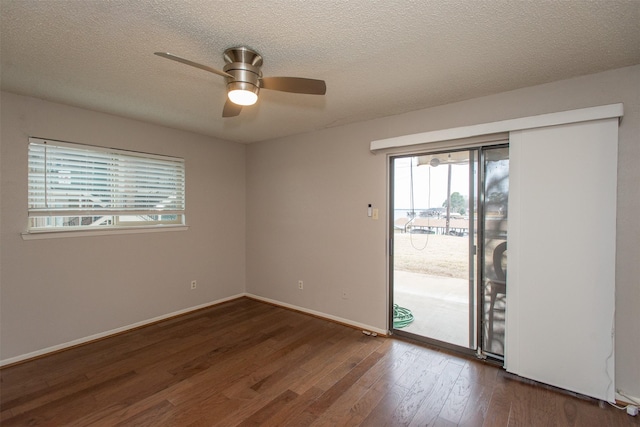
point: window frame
(129, 184)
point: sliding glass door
(433, 242)
(448, 248)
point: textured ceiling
(378, 58)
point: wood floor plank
(520, 413)
(499, 406)
(277, 364)
(369, 401)
(5, 415)
(382, 413)
(419, 391)
(286, 415)
(400, 358)
(227, 371)
(454, 405)
(480, 372)
(21, 382)
(441, 422)
(475, 411)
(327, 372)
(153, 416)
(342, 411)
(62, 410)
(245, 362)
(432, 406)
(28, 399)
(261, 399)
(342, 385)
(266, 412)
(207, 413)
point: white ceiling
(378, 58)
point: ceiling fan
(244, 79)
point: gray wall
(58, 290)
(307, 197)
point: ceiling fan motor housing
(244, 65)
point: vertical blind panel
(561, 262)
(68, 177)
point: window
(81, 187)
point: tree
(458, 203)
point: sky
(429, 184)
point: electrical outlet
(300, 284)
(194, 284)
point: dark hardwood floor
(249, 363)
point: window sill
(47, 234)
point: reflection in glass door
(495, 216)
(433, 245)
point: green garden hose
(401, 316)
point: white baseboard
(126, 328)
(112, 332)
(319, 314)
(627, 398)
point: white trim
(452, 145)
(627, 399)
(107, 231)
(319, 314)
(542, 120)
(111, 332)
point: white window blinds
(71, 179)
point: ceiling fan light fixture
(242, 97)
(244, 79)
(242, 93)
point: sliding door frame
(475, 248)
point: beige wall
(60, 290)
(307, 197)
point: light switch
(375, 213)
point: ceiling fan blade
(294, 85)
(193, 64)
(230, 109)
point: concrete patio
(440, 306)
